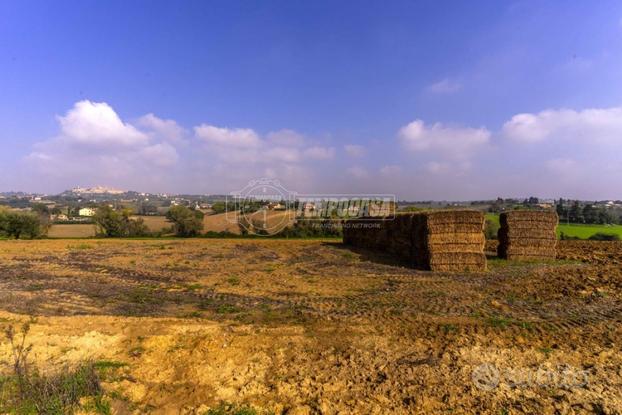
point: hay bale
(436, 240)
(527, 235)
(527, 218)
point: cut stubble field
(303, 327)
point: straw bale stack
(437, 240)
(528, 235)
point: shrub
(313, 229)
(27, 391)
(601, 236)
(565, 237)
(491, 229)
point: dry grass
(72, 231)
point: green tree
(574, 215)
(590, 215)
(186, 222)
(21, 225)
(561, 209)
(118, 223)
(40, 209)
(219, 207)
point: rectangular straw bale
(436, 240)
(520, 216)
(527, 235)
(531, 242)
(539, 233)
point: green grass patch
(233, 409)
(228, 309)
(57, 394)
(108, 364)
(233, 280)
(194, 287)
(504, 322)
(449, 328)
(585, 231)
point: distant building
(276, 206)
(86, 212)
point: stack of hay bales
(450, 240)
(528, 235)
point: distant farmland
(222, 222)
(585, 231)
(80, 230)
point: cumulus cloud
(96, 124)
(444, 86)
(354, 150)
(166, 129)
(285, 154)
(556, 152)
(94, 145)
(285, 137)
(162, 154)
(320, 153)
(358, 172)
(604, 125)
(446, 141)
(230, 137)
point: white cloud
(355, 150)
(448, 142)
(94, 145)
(601, 125)
(285, 154)
(233, 137)
(162, 154)
(454, 168)
(358, 172)
(320, 153)
(444, 86)
(166, 129)
(285, 137)
(96, 124)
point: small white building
(86, 212)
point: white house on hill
(86, 212)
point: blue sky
(428, 100)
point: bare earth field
(305, 327)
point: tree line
(576, 212)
